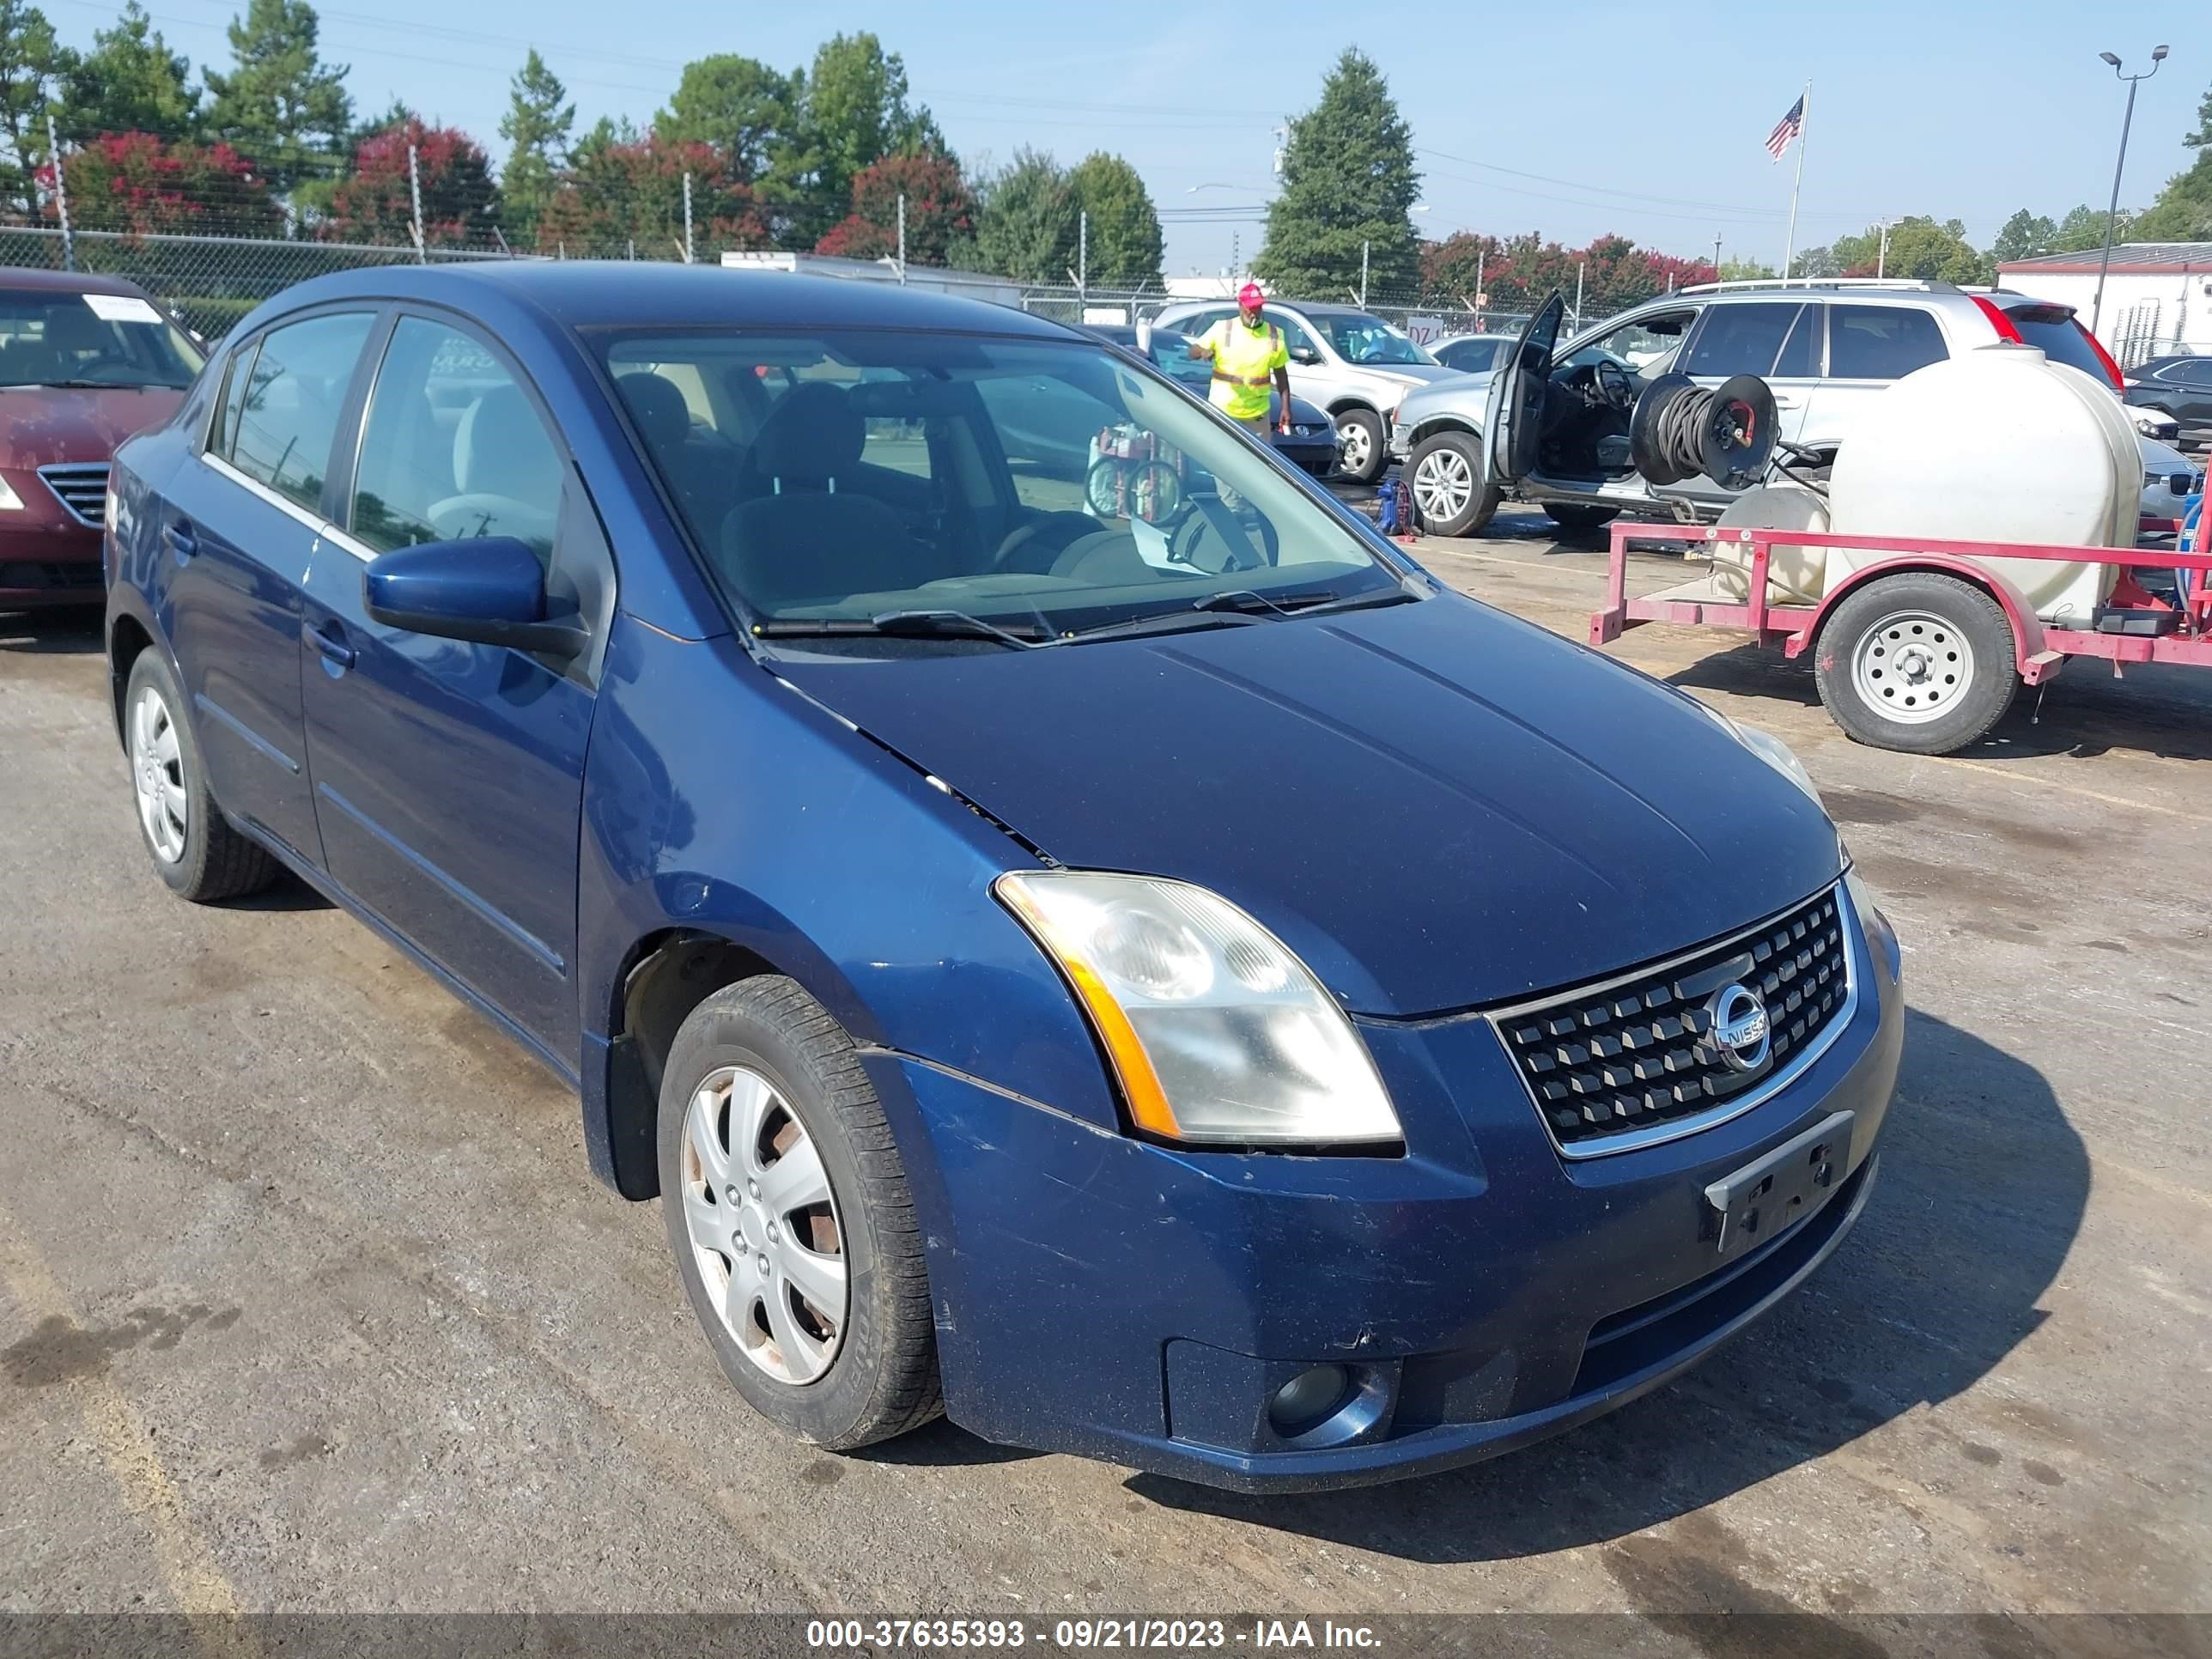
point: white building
(2158, 298)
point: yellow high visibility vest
(1244, 360)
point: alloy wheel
(764, 1225)
(157, 774)
(1443, 483)
(1354, 458)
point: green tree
(621, 191)
(33, 65)
(740, 106)
(940, 217)
(281, 103)
(1026, 227)
(1918, 247)
(1819, 261)
(2084, 229)
(2183, 212)
(1348, 183)
(538, 120)
(853, 112)
(1741, 270)
(2025, 235)
(130, 81)
(1125, 227)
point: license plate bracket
(1785, 1186)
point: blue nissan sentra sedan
(1143, 971)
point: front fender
(719, 801)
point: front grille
(1631, 1060)
(82, 487)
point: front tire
(1919, 663)
(789, 1215)
(193, 847)
(1450, 492)
(1364, 455)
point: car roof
(591, 294)
(24, 279)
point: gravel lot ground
(307, 1301)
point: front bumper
(1098, 1295)
(49, 563)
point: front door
(1513, 422)
(1778, 340)
(448, 777)
(242, 523)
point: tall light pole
(2113, 213)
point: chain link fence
(211, 281)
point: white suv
(1356, 367)
(1827, 346)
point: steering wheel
(1215, 532)
(1614, 384)
(1034, 543)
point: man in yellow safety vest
(1248, 352)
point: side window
(452, 448)
(1295, 338)
(1646, 345)
(1741, 339)
(293, 394)
(1801, 352)
(1882, 343)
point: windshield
(1046, 489)
(1359, 338)
(49, 338)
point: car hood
(40, 425)
(1415, 375)
(1302, 412)
(1468, 393)
(1436, 805)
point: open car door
(1514, 422)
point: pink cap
(1249, 296)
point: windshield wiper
(1249, 602)
(1160, 621)
(82, 385)
(899, 624)
(1394, 595)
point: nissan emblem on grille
(1689, 1042)
(1740, 1027)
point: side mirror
(487, 589)
(1305, 355)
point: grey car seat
(809, 534)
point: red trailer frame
(2040, 649)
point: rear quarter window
(1882, 343)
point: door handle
(335, 650)
(177, 535)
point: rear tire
(1450, 493)
(760, 1075)
(1579, 520)
(1365, 456)
(193, 847)
(1920, 663)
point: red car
(85, 361)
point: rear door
(1780, 341)
(1513, 419)
(1870, 349)
(242, 525)
(448, 777)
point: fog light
(1308, 1400)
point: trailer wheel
(1920, 663)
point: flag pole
(1804, 126)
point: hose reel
(1680, 429)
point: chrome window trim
(1659, 1134)
(284, 503)
(344, 541)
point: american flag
(1786, 129)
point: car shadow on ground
(63, 631)
(1983, 1188)
(2085, 712)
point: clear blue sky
(1957, 108)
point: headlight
(1776, 753)
(1217, 1034)
(1868, 905)
(9, 500)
